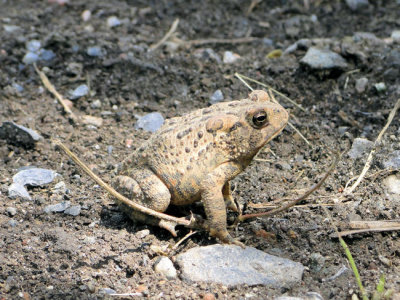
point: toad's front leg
(213, 201)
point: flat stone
(216, 97)
(360, 147)
(34, 177)
(73, 210)
(392, 184)
(165, 266)
(231, 265)
(150, 122)
(19, 135)
(323, 59)
(79, 92)
(361, 85)
(59, 207)
(393, 160)
(16, 190)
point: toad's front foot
(225, 237)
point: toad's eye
(260, 119)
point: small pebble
(12, 211)
(216, 97)
(96, 104)
(86, 15)
(34, 177)
(59, 188)
(94, 51)
(30, 58)
(18, 88)
(208, 54)
(150, 122)
(113, 21)
(360, 147)
(355, 5)
(323, 59)
(19, 135)
(33, 46)
(395, 35)
(107, 291)
(46, 55)
(73, 210)
(230, 57)
(92, 120)
(59, 207)
(80, 91)
(380, 87)
(361, 85)
(16, 190)
(165, 266)
(12, 223)
(142, 233)
(109, 149)
(11, 28)
(393, 160)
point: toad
(194, 157)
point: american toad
(193, 158)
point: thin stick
(371, 154)
(183, 239)
(166, 36)
(374, 224)
(46, 82)
(349, 232)
(121, 199)
(295, 201)
(221, 41)
(242, 77)
(272, 89)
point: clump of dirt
(63, 256)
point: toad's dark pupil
(259, 119)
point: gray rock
(360, 147)
(369, 36)
(12, 223)
(230, 57)
(323, 59)
(59, 188)
(142, 233)
(393, 160)
(33, 45)
(380, 87)
(46, 55)
(288, 298)
(80, 91)
(96, 104)
(107, 291)
(313, 296)
(361, 85)
(12, 211)
(34, 176)
(19, 135)
(18, 88)
(216, 97)
(30, 58)
(208, 54)
(59, 207)
(73, 210)
(16, 190)
(113, 21)
(165, 266)
(94, 51)
(231, 266)
(11, 28)
(395, 35)
(392, 184)
(150, 122)
(355, 5)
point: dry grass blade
(374, 224)
(46, 82)
(221, 41)
(295, 201)
(173, 28)
(371, 154)
(378, 229)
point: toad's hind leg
(145, 188)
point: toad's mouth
(270, 138)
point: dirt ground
(58, 256)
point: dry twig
(295, 201)
(220, 41)
(46, 82)
(371, 154)
(173, 28)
